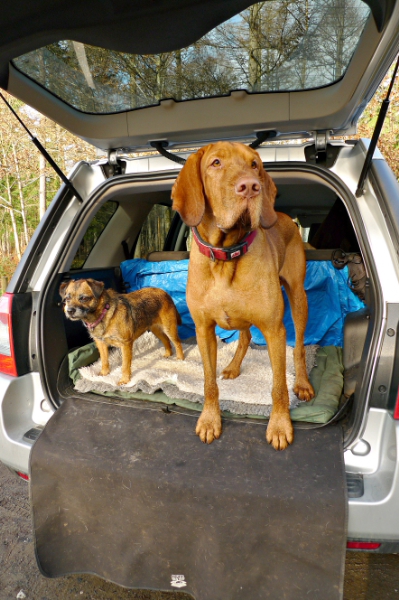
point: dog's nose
(71, 310)
(247, 187)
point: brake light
(396, 410)
(23, 475)
(7, 355)
(363, 545)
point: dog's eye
(254, 164)
(83, 298)
(216, 163)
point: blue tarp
(329, 299)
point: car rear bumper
(373, 516)
(23, 408)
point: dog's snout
(71, 310)
(247, 187)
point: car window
(271, 46)
(154, 231)
(95, 229)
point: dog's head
(80, 298)
(228, 180)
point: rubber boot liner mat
(130, 493)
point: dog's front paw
(209, 427)
(104, 371)
(280, 432)
(230, 373)
(123, 381)
(304, 391)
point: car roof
(134, 29)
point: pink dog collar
(100, 318)
(227, 253)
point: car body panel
(373, 516)
(22, 407)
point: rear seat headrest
(168, 255)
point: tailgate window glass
(271, 46)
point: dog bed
(181, 382)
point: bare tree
(42, 186)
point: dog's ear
(188, 192)
(268, 215)
(96, 286)
(63, 288)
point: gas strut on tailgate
(376, 135)
(46, 155)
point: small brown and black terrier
(114, 319)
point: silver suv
(147, 87)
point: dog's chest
(234, 294)
(229, 303)
(110, 335)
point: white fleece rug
(250, 393)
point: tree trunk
(255, 50)
(10, 208)
(21, 197)
(179, 82)
(42, 186)
(160, 66)
(340, 33)
(15, 233)
(305, 31)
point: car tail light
(363, 545)
(7, 355)
(23, 475)
(396, 410)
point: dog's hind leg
(233, 369)
(158, 331)
(292, 276)
(299, 309)
(169, 327)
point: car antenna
(43, 150)
(376, 134)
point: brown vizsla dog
(241, 254)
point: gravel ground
(367, 577)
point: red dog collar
(100, 318)
(227, 253)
